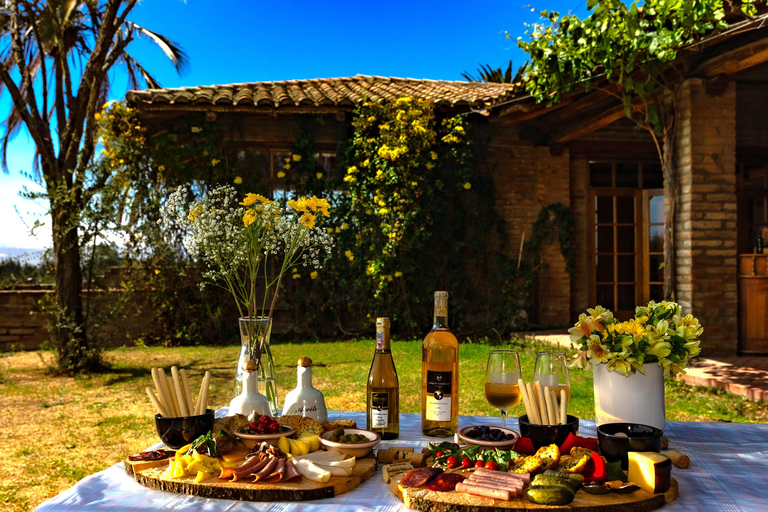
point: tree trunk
(669, 169)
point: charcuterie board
(155, 478)
(434, 501)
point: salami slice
(419, 476)
(151, 456)
(444, 482)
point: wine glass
(501, 376)
(551, 369)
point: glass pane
(657, 292)
(281, 160)
(626, 175)
(653, 177)
(655, 272)
(605, 239)
(604, 207)
(625, 239)
(604, 270)
(605, 295)
(600, 174)
(626, 297)
(656, 238)
(755, 177)
(625, 210)
(625, 266)
(656, 209)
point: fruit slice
(305, 446)
(283, 445)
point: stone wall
(706, 226)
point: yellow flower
(249, 217)
(366, 163)
(596, 349)
(215, 162)
(287, 166)
(296, 158)
(308, 220)
(238, 180)
(287, 159)
(459, 129)
(329, 230)
(384, 211)
(319, 175)
(433, 155)
(467, 185)
(280, 174)
(352, 170)
(413, 183)
(157, 271)
(398, 274)
(344, 225)
(349, 255)
(195, 212)
(251, 199)
(297, 276)
(313, 274)
(430, 165)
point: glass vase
(256, 328)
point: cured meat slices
(419, 476)
(525, 477)
(483, 491)
(444, 482)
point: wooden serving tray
(154, 478)
(435, 501)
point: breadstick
(526, 400)
(187, 392)
(680, 460)
(542, 404)
(155, 402)
(550, 409)
(202, 407)
(536, 419)
(173, 408)
(160, 390)
(563, 407)
(179, 391)
(555, 407)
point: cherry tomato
(274, 427)
(253, 426)
(452, 462)
(491, 465)
(262, 428)
(265, 419)
(466, 462)
(479, 464)
(439, 454)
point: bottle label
(438, 404)
(379, 410)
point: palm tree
(489, 75)
(55, 66)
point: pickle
(555, 495)
(574, 477)
(547, 480)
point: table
(729, 472)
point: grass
(56, 430)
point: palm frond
(171, 49)
(487, 74)
(134, 69)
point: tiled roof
(330, 92)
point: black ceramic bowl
(614, 440)
(176, 432)
(544, 435)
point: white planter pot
(635, 399)
(250, 400)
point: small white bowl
(352, 449)
(251, 440)
(506, 444)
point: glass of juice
(501, 375)
(551, 370)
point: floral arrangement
(658, 333)
(235, 240)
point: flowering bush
(235, 241)
(657, 334)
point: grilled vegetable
(550, 456)
(571, 464)
(528, 464)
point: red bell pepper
(524, 446)
(595, 470)
(582, 442)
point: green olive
(344, 439)
(334, 438)
(338, 432)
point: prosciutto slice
(278, 473)
(267, 470)
(248, 467)
(290, 472)
(419, 476)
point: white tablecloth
(729, 472)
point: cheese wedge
(283, 445)
(650, 470)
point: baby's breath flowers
(658, 334)
(235, 239)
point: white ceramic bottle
(305, 400)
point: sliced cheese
(314, 473)
(320, 456)
(650, 470)
(335, 470)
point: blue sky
(231, 41)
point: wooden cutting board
(435, 501)
(154, 478)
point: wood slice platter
(154, 478)
(435, 501)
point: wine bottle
(383, 392)
(440, 375)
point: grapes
(485, 433)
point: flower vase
(637, 398)
(259, 367)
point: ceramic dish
(544, 435)
(502, 444)
(352, 449)
(615, 440)
(251, 440)
(176, 432)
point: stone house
(586, 154)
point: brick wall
(528, 178)
(706, 227)
(581, 209)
